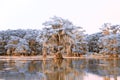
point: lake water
(66, 69)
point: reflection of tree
(2, 65)
(74, 71)
(58, 63)
(32, 66)
(69, 64)
(21, 70)
(11, 63)
(55, 70)
(60, 69)
(106, 78)
(67, 69)
(107, 68)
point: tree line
(60, 36)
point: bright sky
(89, 14)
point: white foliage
(54, 21)
(67, 29)
(14, 38)
(8, 46)
(23, 41)
(31, 34)
(22, 46)
(110, 42)
(12, 43)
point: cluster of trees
(60, 36)
(19, 42)
(107, 41)
(110, 42)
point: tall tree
(62, 35)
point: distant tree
(93, 42)
(80, 44)
(39, 42)
(31, 36)
(17, 46)
(12, 44)
(110, 42)
(12, 39)
(22, 47)
(2, 46)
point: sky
(30, 14)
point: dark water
(66, 69)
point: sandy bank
(52, 57)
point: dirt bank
(52, 57)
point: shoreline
(40, 57)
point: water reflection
(61, 69)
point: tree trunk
(58, 55)
(69, 51)
(44, 52)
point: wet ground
(58, 69)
